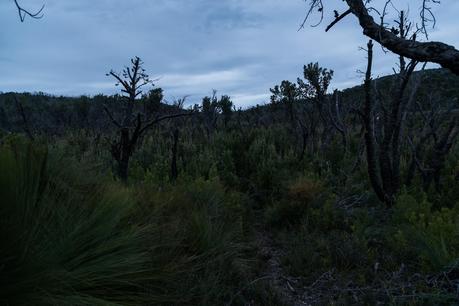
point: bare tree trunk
(368, 121)
(174, 171)
(25, 120)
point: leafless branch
(157, 120)
(314, 5)
(338, 19)
(436, 52)
(111, 117)
(23, 12)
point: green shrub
(311, 254)
(295, 204)
(209, 224)
(426, 236)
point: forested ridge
(54, 114)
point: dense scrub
(75, 237)
(73, 234)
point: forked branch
(23, 13)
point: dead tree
(384, 117)
(383, 136)
(132, 126)
(368, 123)
(436, 52)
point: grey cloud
(239, 47)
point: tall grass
(208, 237)
(62, 247)
(71, 238)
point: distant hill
(441, 82)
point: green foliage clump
(428, 235)
(207, 224)
(293, 207)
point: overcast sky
(238, 47)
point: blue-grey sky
(238, 47)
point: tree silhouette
(132, 126)
(432, 51)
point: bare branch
(111, 117)
(23, 12)
(427, 16)
(314, 5)
(157, 120)
(436, 52)
(338, 19)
